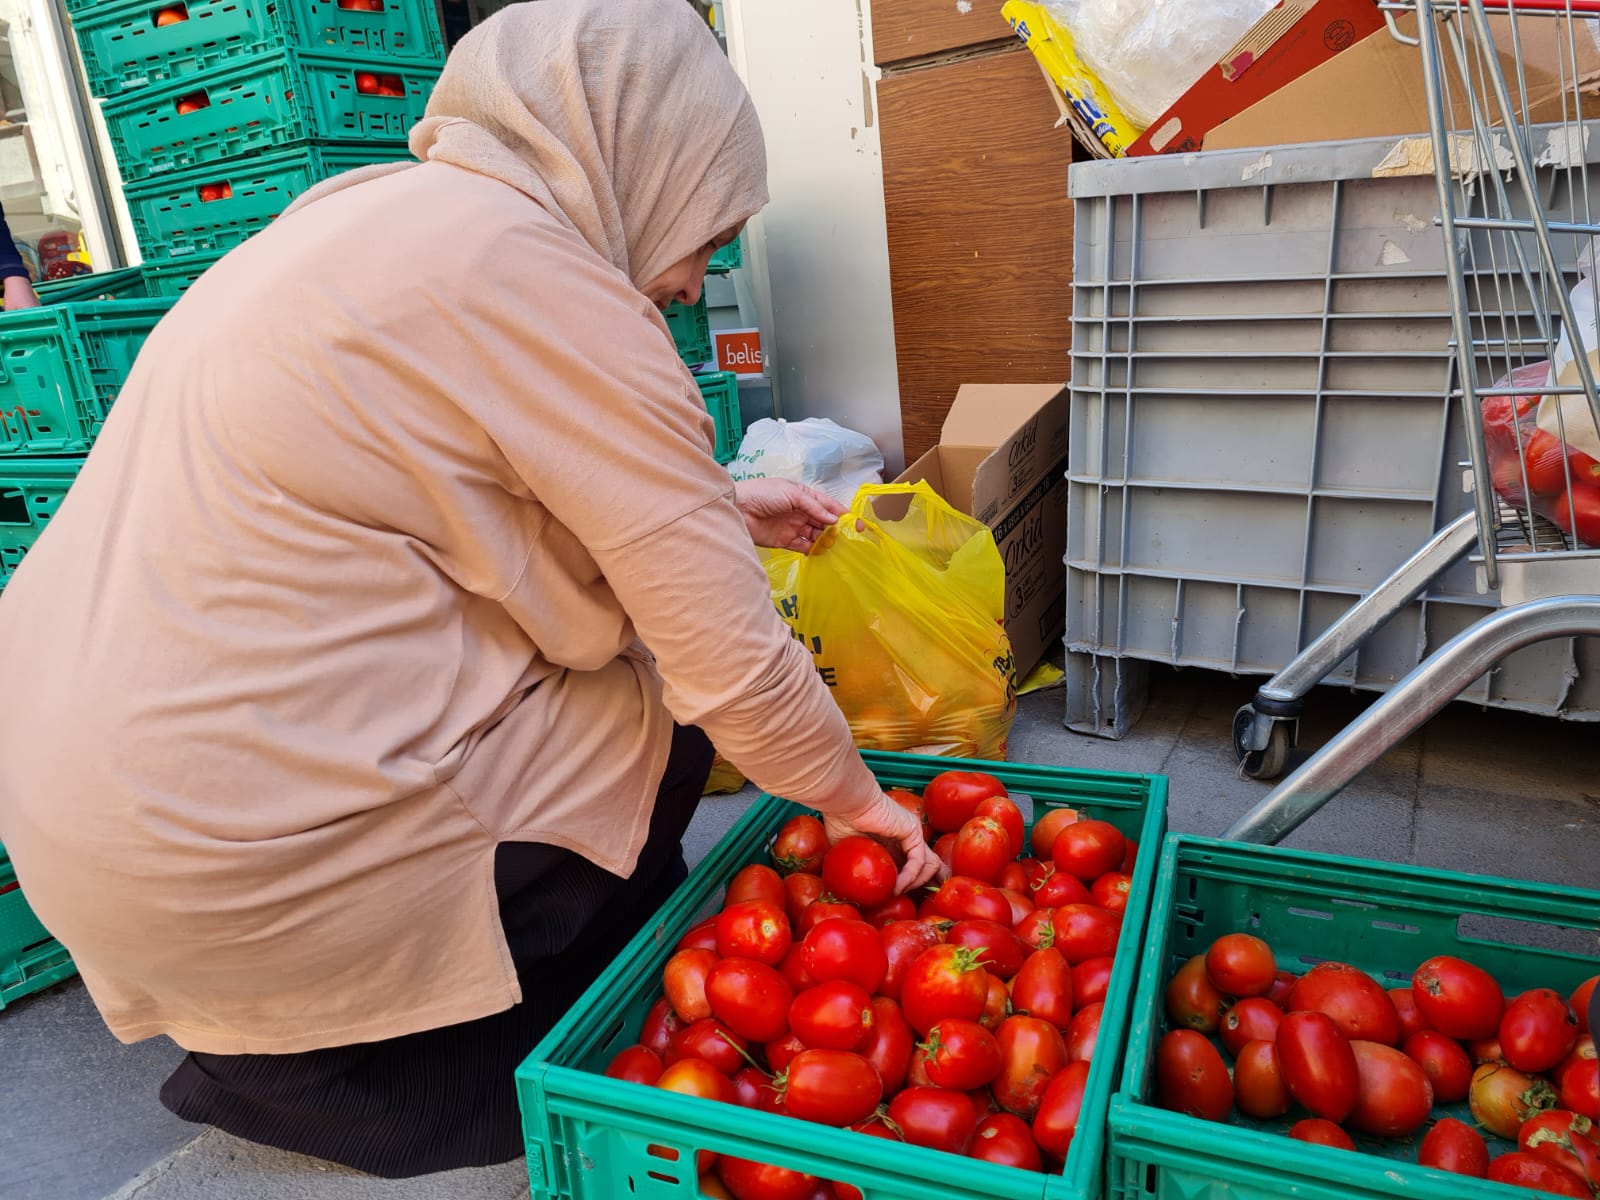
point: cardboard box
(1002, 458)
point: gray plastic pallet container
(1262, 426)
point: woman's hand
(19, 293)
(886, 821)
(784, 515)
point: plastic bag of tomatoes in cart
(902, 605)
(1533, 469)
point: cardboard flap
(986, 414)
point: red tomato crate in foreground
(590, 1137)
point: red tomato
(1455, 1146)
(1084, 1032)
(824, 910)
(210, 192)
(1357, 1003)
(1318, 1064)
(1032, 1053)
(1239, 964)
(1524, 1170)
(637, 1064)
(841, 949)
(832, 1016)
(799, 846)
(1044, 987)
(1565, 1139)
(793, 968)
(950, 799)
(1091, 979)
(962, 1055)
(1255, 1018)
(750, 998)
(1537, 1031)
(902, 942)
(754, 929)
(1443, 1061)
(661, 1025)
(1021, 905)
(910, 801)
(1056, 1122)
(712, 1042)
(755, 882)
(1258, 1087)
(1457, 998)
(934, 1117)
(1036, 930)
(996, 1005)
(391, 85)
(173, 14)
(963, 899)
(780, 1054)
(1014, 877)
(1484, 1050)
(1546, 459)
(702, 937)
(800, 892)
(1004, 810)
(1045, 829)
(1192, 1002)
(1502, 1098)
(944, 846)
(1084, 931)
(1319, 1131)
(917, 1073)
(1405, 1007)
(944, 982)
(859, 871)
(1191, 1076)
(762, 1181)
(1005, 1139)
(1282, 989)
(1051, 888)
(748, 1084)
(895, 908)
(889, 1044)
(1088, 849)
(831, 1087)
(1003, 951)
(1130, 858)
(684, 981)
(696, 1077)
(367, 83)
(1395, 1097)
(1580, 1000)
(1580, 1088)
(192, 103)
(982, 849)
(1110, 891)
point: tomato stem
(743, 1053)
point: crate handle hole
(169, 14)
(672, 1179)
(374, 83)
(666, 1152)
(1395, 926)
(221, 190)
(193, 102)
(362, 5)
(1314, 913)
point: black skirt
(444, 1098)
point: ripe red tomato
(800, 892)
(660, 1026)
(192, 103)
(1538, 1030)
(1357, 1003)
(367, 83)
(831, 1087)
(824, 910)
(1524, 1170)
(895, 908)
(780, 1054)
(1319, 1131)
(711, 1041)
(696, 1077)
(1036, 930)
(762, 1181)
(889, 1044)
(1579, 1081)
(1255, 1018)
(684, 981)
(1005, 1139)
(1003, 951)
(841, 949)
(702, 937)
(173, 14)
(751, 1087)
(934, 1117)
(1192, 1002)
(944, 982)
(754, 929)
(1045, 829)
(799, 846)
(1282, 989)
(793, 968)
(1502, 1098)
(1258, 1087)
(750, 998)
(950, 799)
(962, 1055)
(1088, 849)
(982, 849)
(755, 882)
(1318, 1064)
(1111, 890)
(1581, 999)
(1443, 1061)
(1405, 1007)
(637, 1064)
(944, 846)
(1457, 998)
(859, 871)
(1084, 1032)
(996, 1005)
(1004, 810)
(1061, 1106)
(1191, 1076)
(1051, 888)
(1084, 931)
(1565, 1139)
(1091, 979)
(1395, 1097)
(1014, 877)
(1044, 987)
(836, 1015)
(210, 192)
(1239, 964)
(1032, 1053)
(902, 942)
(1455, 1146)
(1545, 456)
(1579, 513)
(962, 899)
(1021, 905)
(1484, 1050)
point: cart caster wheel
(1260, 764)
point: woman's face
(682, 281)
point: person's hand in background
(784, 515)
(886, 821)
(19, 293)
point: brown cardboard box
(1001, 458)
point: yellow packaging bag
(902, 605)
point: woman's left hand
(784, 515)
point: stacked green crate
(691, 333)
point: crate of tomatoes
(787, 1027)
(1323, 1027)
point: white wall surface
(818, 255)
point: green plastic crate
(729, 258)
(61, 366)
(720, 390)
(1386, 920)
(30, 959)
(691, 331)
(174, 219)
(261, 104)
(31, 489)
(593, 1138)
(124, 49)
(172, 276)
(123, 284)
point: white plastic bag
(814, 451)
(1568, 416)
(1148, 53)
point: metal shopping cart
(1508, 83)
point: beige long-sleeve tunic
(356, 585)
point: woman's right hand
(886, 821)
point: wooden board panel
(910, 29)
(980, 231)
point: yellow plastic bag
(905, 620)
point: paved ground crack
(137, 1185)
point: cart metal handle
(1583, 8)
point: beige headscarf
(622, 118)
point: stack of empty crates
(691, 330)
